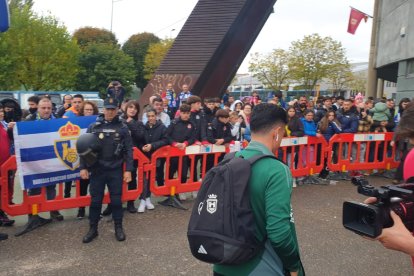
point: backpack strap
(252, 160)
(258, 157)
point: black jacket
(296, 128)
(137, 130)
(209, 115)
(320, 113)
(218, 130)
(155, 135)
(199, 120)
(181, 131)
(102, 126)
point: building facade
(395, 45)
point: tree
(271, 69)
(102, 63)
(136, 47)
(36, 52)
(339, 76)
(313, 57)
(155, 55)
(86, 35)
(357, 83)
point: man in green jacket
(270, 193)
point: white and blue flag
(46, 150)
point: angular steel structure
(211, 46)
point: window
(410, 68)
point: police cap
(111, 103)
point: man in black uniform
(115, 149)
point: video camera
(369, 219)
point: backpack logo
(200, 207)
(202, 250)
(212, 203)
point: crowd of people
(182, 119)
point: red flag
(354, 19)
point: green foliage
(136, 47)
(271, 69)
(339, 76)
(19, 5)
(357, 83)
(87, 35)
(314, 57)
(36, 53)
(101, 64)
(155, 55)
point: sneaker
(56, 215)
(107, 211)
(141, 207)
(294, 183)
(194, 194)
(4, 219)
(81, 213)
(131, 207)
(148, 204)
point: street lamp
(112, 11)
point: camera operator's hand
(397, 237)
(370, 200)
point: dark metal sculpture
(210, 47)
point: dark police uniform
(116, 148)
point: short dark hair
(34, 99)
(156, 99)
(193, 99)
(78, 96)
(349, 100)
(307, 111)
(340, 98)
(266, 116)
(222, 113)
(185, 108)
(209, 100)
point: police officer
(115, 148)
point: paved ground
(156, 243)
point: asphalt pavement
(156, 242)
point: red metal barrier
(304, 155)
(361, 152)
(38, 203)
(174, 186)
(310, 155)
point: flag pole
(361, 12)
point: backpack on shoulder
(221, 229)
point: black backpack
(221, 229)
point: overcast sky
(292, 20)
